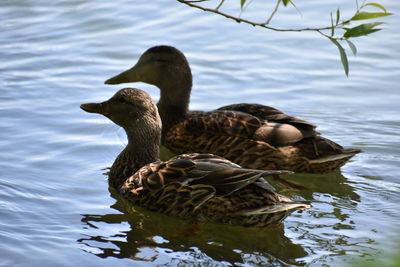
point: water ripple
(54, 198)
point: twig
(273, 12)
(330, 37)
(262, 25)
(195, 1)
(220, 4)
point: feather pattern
(272, 114)
(252, 135)
(195, 187)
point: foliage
(337, 32)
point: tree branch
(196, 1)
(262, 25)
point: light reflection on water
(54, 199)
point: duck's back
(257, 136)
(206, 187)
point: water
(55, 206)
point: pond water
(55, 205)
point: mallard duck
(197, 187)
(251, 135)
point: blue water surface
(55, 205)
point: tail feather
(331, 162)
(346, 155)
(279, 207)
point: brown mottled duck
(251, 135)
(196, 187)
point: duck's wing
(312, 145)
(205, 157)
(221, 163)
(229, 180)
(223, 122)
(243, 125)
(161, 187)
(273, 115)
(195, 170)
(179, 186)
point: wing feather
(272, 114)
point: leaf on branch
(242, 2)
(352, 47)
(337, 16)
(343, 56)
(298, 10)
(361, 30)
(332, 27)
(375, 5)
(286, 2)
(370, 15)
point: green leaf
(333, 27)
(242, 2)
(369, 15)
(343, 56)
(298, 10)
(352, 47)
(286, 2)
(375, 5)
(337, 16)
(353, 35)
(361, 30)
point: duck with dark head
(252, 135)
(196, 187)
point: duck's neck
(142, 149)
(174, 101)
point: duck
(195, 187)
(252, 135)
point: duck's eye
(123, 100)
(128, 103)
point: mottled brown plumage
(195, 187)
(252, 135)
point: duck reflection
(331, 195)
(308, 185)
(153, 236)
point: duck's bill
(120, 78)
(93, 108)
(124, 77)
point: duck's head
(162, 66)
(130, 108)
